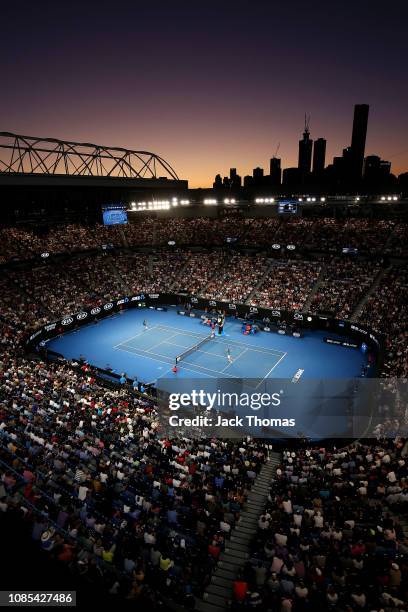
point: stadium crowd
(331, 536)
(286, 285)
(386, 311)
(344, 283)
(325, 234)
(105, 494)
(34, 294)
(237, 278)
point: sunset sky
(207, 85)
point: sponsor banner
(35, 334)
(349, 330)
(340, 342)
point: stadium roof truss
(48, 156)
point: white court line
(160, 361)
(137, 335)
(271, 370)
(196, 350)
(251, 348)
(236, 342)
(171, 361)
(220, 355)
(246, 349)
(185, 332)
(233, 361)
(200, 336)
(159, 343)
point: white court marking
(202, 336)
(175, 331)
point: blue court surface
(121, 343)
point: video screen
(287, 207)
(114, 215)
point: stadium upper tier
(327, 235)
(371, 291)
(141, 519)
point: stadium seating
(83, 464)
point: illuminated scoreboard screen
(114, 215)
(287, 207)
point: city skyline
(209, 87)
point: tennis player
(229, 356)
(212, 329)
(145, 324)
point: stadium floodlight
(184, 202)
(322, 199)
(383, 198)
(259, 201)
(313, 199)
(357, 199)
(389, 198)
(210, 201)
(395, 198)
(308, 199)
(300, 199)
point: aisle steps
(217, 596)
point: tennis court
(166, 343)
(121, 343)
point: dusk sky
(207, 85)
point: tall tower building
(319, 155)
(275, 172)
(258, 174)
(305, 150)
(358, 140)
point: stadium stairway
(123, 238)
(180, 274)
(359, 308)
(259, 283)
(117, 274)
(218, 594)
(202, 289)
(315, 289)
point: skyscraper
(358, 140)
(275, 172)
(305, 151)
(235, 179)
(319, 155)
(257, 175)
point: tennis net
(193, 348)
